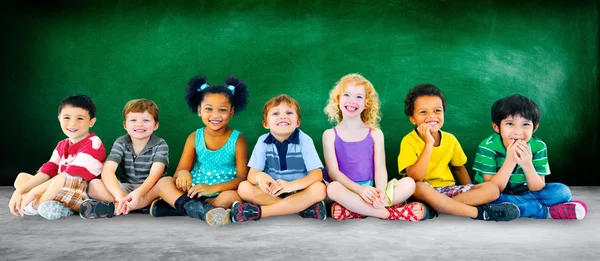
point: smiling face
(140, 125)
(75, 122)
(515, 128)
(428, 110)
(215, 111)
(352, 100)
(282, 120)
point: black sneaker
(317, 211)
(160, 208)
(91, 208)
(505, 211)
(242, 211)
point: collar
(154, 140)
(293, 139)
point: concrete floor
(142, 237)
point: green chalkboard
(475, 51)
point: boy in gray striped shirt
(142, 159)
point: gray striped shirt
(135, 169)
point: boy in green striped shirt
(517, 162)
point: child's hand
(381, 201)
(15, 202)
(184, 181)
(368, 194)
(121, 206)
(511, 153)
(28, 198)
(278, 187)
(132, 200)
(201, 189)
(425, 133)
(265, 182)
(523, 152)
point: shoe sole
(152, 208)
(512, 212)
(217, 217)
(53, 214)
(92, 209)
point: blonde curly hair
(370, 115)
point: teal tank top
(214, 166)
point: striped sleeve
(485, 161)
(161, 153)
(117, 151)
(540, 160)
(51, 167)
(88, 161)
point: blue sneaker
(53, 210)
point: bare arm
(418, 170)
(35, 181)
(381, 175)
(156, 172)
(109, 178)
(185, 164)
(461, 174)
(315, 175)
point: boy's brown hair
(275, 101)
(141, 105)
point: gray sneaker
(505, 211)
(91, 208)
(53, 210)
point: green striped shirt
(491, 155)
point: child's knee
(163, 181)
(491, 189)
(334, 189)
(245, 190)
(406, 184)
(559, 191)
(22, 178)
(226, 199)
(318, 190)
(421, 189)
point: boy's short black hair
(418, 91)
(79, 101)
(514, 105)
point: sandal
(405, 212)
(339, 212)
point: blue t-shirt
(289, 160)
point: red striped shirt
(82, 159)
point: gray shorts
(128, 187)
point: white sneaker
(30, 211)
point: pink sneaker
(568, 210)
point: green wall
(475, 51)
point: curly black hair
(238, 99)
(418, 91)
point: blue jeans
(534, 204)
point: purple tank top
(356, 159)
